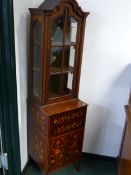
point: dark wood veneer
(124, 163)
(57, 117)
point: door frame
(8, 89)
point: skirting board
(97, 156)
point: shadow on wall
(124, 79)
(118, 97)
(120, 88)
(108, 118)
(96, 116)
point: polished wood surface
(124, 165)
(62, 106)
(56, 139)
(57, 117)
(67, 8)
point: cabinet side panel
(37, 135)
(56, 153)
(37, 147)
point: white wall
(22, 23)
(105, 77)
(106, 73)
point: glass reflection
(57, 30)
(69, 57)
(55, 86)
(36, 63)
(37, 32)
(67, 83)
(71, 31)
(36, 84)
(56, 59)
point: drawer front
(67, 121)
(58, 124)
(65, 149)
(77, 119)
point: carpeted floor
(89, 166)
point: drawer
(67, 121)
(59, 124)
(76, 119)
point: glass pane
(37, 32)
(57, 30)
(71, 30)
(69, 57)
(36, 84)
(37, 56)
(67, 84)
(55, 86)
(56, 59)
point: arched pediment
(56, 5)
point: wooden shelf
(56, 71)
(55, 44)
(66, 92)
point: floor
(89, 166)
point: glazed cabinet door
(62, 55)
(36, 57)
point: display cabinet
(56, 115)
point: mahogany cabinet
(56, 116)
(124, 165)
(56, 134)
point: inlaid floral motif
(77, 119)
(59, 124)
(74, 144)
(66, 122)
(56, 153)
(38, 146)
(39, 120)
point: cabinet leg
(77, 165)
(46, 169)
(45, 173)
